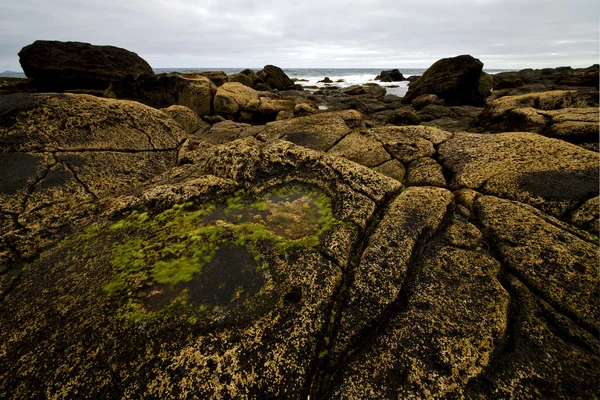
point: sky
(506, 34)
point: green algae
(169, 257)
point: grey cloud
(308, 33)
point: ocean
(346, 76)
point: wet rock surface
(242, 243)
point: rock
(276, 78)
(569, 115)
(559, 265)
(354, 90)
(451, 119)
(251, 266)
(252, 75)
(241, 78)
(325, 80)
(391, 98)
(425, 172)
(65, 150)
(408, 143)
(582, 77)
(304, 109)
(456, 80)
(9, 85)
(318, 132)
(447, 326)
(375, 90)
(507, 82)
(549, 174)
(340, 81)
(362, 149)
(425, 100)
(385, 261)
(393, 169)
(58, 65)
(413, 78)
(588, 216)
(216, 77)
(225, 132)
(391, 76)
(186, 118)
(161, 91)
(237, 101)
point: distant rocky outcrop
(325, 80)
(393, 75)
(58, 65)
(459, 81)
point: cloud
(309, 33)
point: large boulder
(276, 78)
(58, 65)
(455, 80)
(160, 91)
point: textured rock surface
(566, 114)
(74, 65)
(241, 102)
(458, 80)
(549, 174)
(58, 150)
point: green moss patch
(211, 255)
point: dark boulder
(276, 78)
(413, 78)
(457, 80)
(58, 65)
(326, 80)
(391, 76)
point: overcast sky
(314, 33)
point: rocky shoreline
(204, 235)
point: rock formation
(220, 241)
